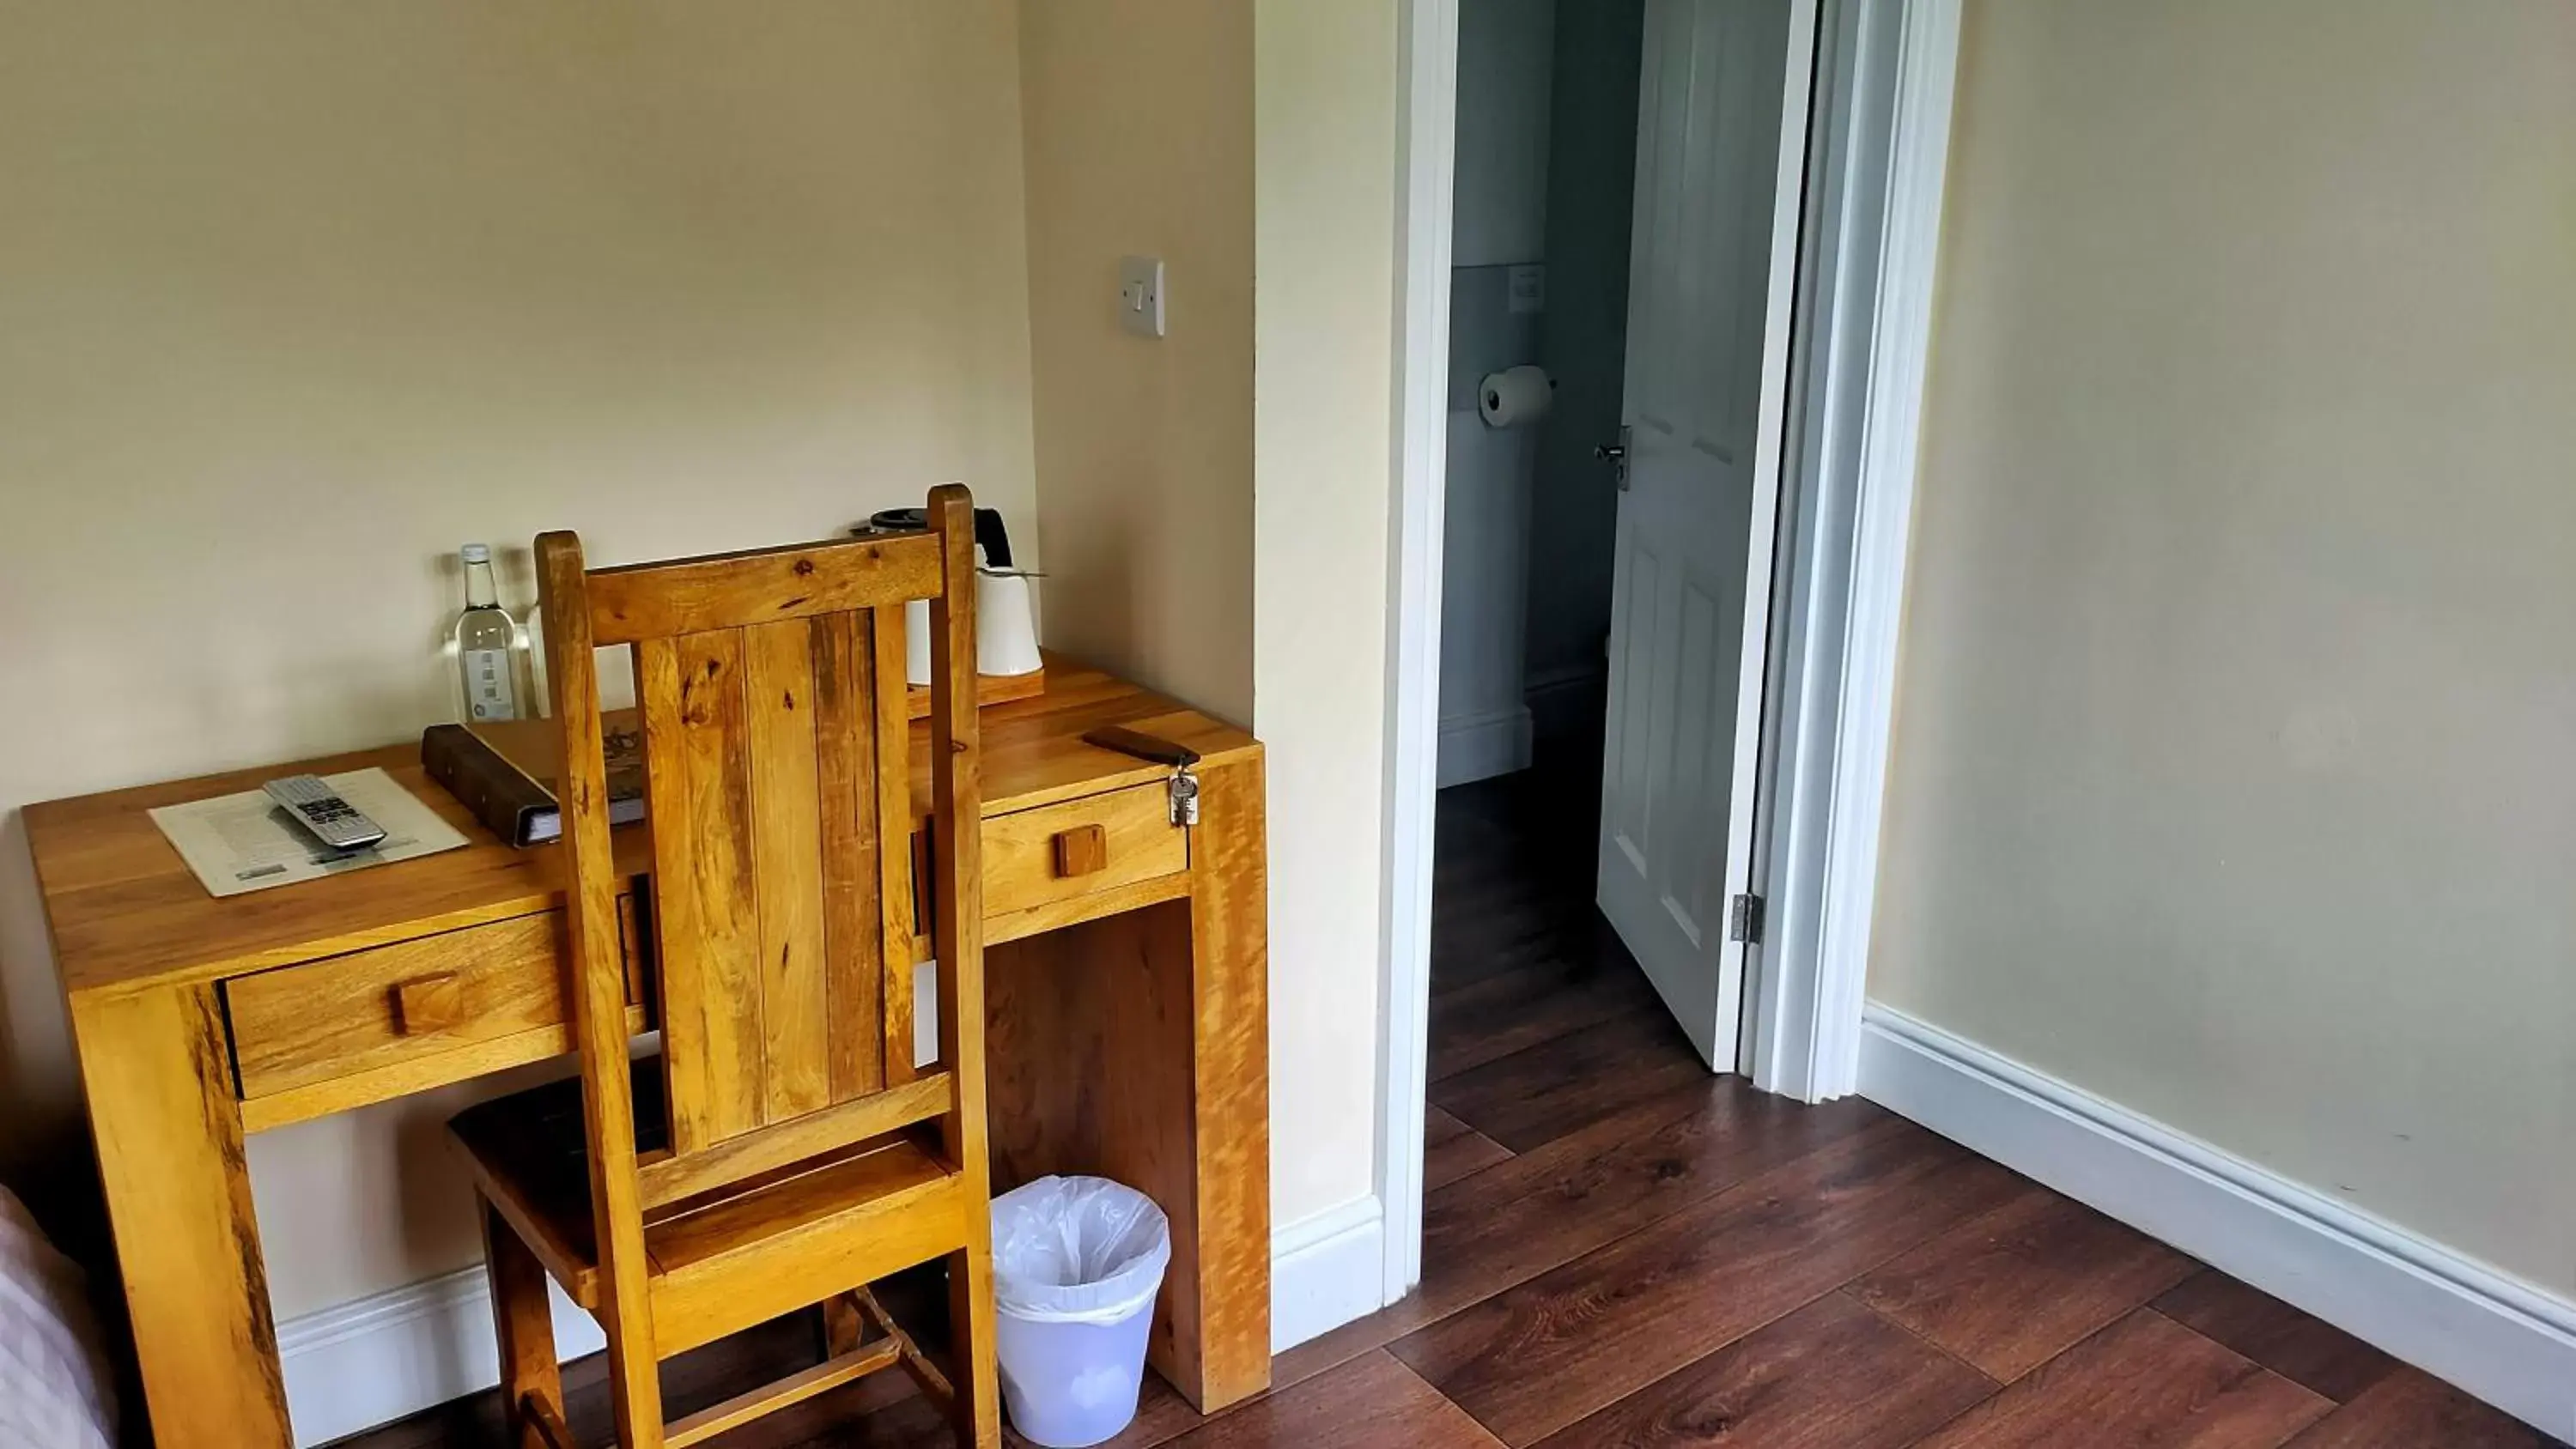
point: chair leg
(843, 1324)
(522, 1321)
(976, 1411)
(634, 1384)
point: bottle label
(489, 691)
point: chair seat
(724, 1261)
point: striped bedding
(54, 1387)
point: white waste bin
(1076, 1264)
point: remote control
(318, 808)
(1143, 746)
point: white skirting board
(1481, 746)
(2502, 1339)
(1568, 702)
(1326, 1271)
(396, 1353)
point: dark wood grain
(1532, 1360)
(2409, 1409)
(885, 1411)
(1571, 1082)
(1553, 1204)
(1451, 1150)
(1326, 1352)
(2304, 1350)
(2146, 1382)
(1373, 1402)
(1494, 1016)
(2020, 1285)
(1832, 1375)
(1505, 936)
(1162, 1415)
(1512, 878)
(872, 1414)
(1519, 1219)
(1688, 1268)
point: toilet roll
(1515, 396)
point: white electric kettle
(1006, 626)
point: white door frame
(1879, 145)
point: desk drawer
(371, 1012)
(1035, 857)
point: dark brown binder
(505, 773)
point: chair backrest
(778, 794)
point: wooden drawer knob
(428, 1003)
(1082, 850)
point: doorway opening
(1618, 342)
(1839, 238)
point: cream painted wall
(286, 284)
(1323, 428)
(2232, 775)
(1138, 118)
(1217, 525)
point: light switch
(1140, 295)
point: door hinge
(1744, 920)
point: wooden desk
(1128, 1004)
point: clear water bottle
(490, 650)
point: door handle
(1616, 455)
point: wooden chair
(781, 1151)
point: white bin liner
(1077, 1250)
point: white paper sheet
(247, 842)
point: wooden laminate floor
(1620, 1250)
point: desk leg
(169, 1140)
(1230, 939)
